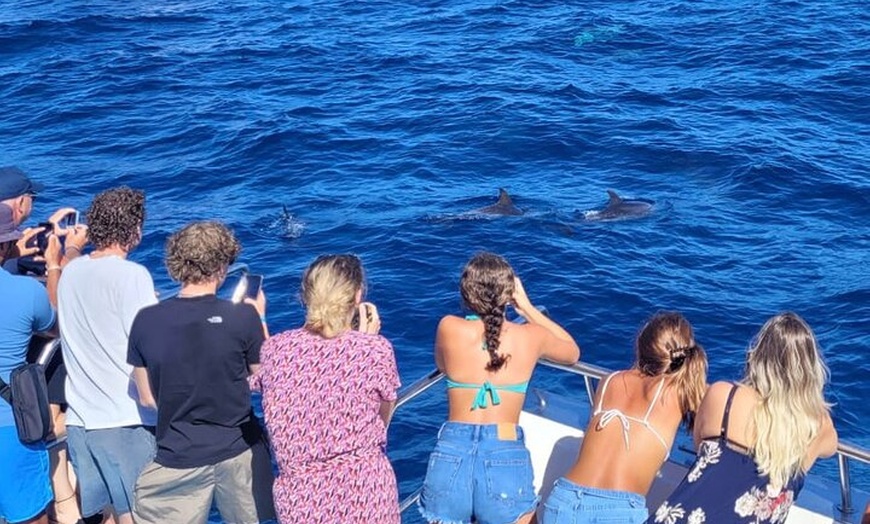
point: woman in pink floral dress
(328, 391)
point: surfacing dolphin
(505, 206)
(619, 208)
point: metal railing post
(845, 506)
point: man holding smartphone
(191, 357)
(24, 310)
(18, 192)
(46, 256)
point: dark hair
(666, 346)
(201, 252)
(116, 217)
(487, 286)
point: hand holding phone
(254, 285)
(366, 319)
(41, 239)
(249, 286)
(69, 222)
(64, 220)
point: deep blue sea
(379, 125)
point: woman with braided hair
(629, 436)
(480, 469)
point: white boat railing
(845, 451)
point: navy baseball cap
(14, 183)
(8, 231)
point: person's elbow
(568, 354)
(827, 441)
(832, 443)
(575, 354)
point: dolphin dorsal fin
(504, 197)
(614, 198)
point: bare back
(625, 455)
(460, 353)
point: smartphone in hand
(367, 308)
(248, 287)
(69, 222)
(41, 239)
(255, 283)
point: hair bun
(678, 356)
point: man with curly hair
(110, 435)
(192, 355)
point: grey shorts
(241, 487)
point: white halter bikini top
(611, 414)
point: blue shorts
(474, 473)
(571, 503)
(107, 463)
(26, 489)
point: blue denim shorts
(25, 490)
(107, 463)
(571, 503)
(474, 473)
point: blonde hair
(666, 346)
(487, 286)
(785, 367)
(329, 288)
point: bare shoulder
(449, 322)
(716, 395)
(827, 440)
(709, 416)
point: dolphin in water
(619, 208)
(505, 206)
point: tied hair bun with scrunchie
(678, 356)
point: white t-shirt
(97, 300)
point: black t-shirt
(197, 351)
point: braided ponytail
(492, 323)
(487, 286)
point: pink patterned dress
(321, 400)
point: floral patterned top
(724, 486)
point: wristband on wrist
(52, 268)
(77, 248)
(263, 319)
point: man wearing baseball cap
(24, 310)
(17, 191)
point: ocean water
(375, 127)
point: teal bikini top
(487, 388)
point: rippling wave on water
(369, 127)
